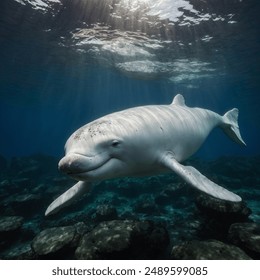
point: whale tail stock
(229, 122)
(230, 126)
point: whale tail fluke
(230, 126)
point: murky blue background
(52, 83)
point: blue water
(66, 63)
(48, 90)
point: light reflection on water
(74, 61)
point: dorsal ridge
(178, 100)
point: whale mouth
(75, 165)
(96, 173)
(75, 172)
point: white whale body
(141, 141)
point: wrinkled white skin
(144, 141)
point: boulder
(126, 239)
(247, 237)
(218, 215)
(223, 210)
(10, 224)
(55, 243)
(10, 227)
(207, 250)
(21, 252)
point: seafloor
(158, 217)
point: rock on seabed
(221, 209)
(53, 242)
(247, 237)
(207, 250)
(9, 224)
(9, 229)
(123, 240)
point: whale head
(96, 151)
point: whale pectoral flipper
(193, 177)
(68, 197)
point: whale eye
(115, 143)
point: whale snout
(74, 163)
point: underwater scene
(129, 129)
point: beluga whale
(143, 141)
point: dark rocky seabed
(157, 217)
